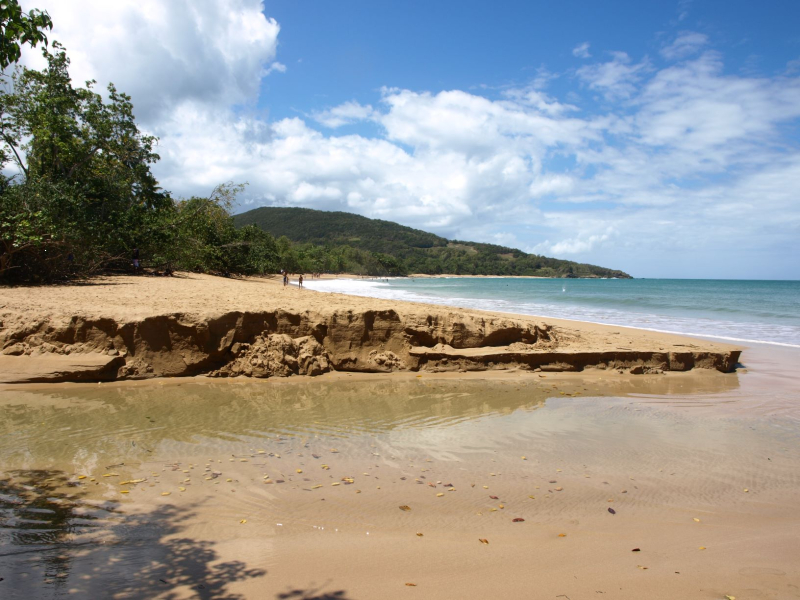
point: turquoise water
(746, 311)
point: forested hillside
(412, 250)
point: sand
(699, 466)
(195, 324)
(661, 451)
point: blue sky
(656, 137)
(343, 52)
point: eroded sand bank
(140, 327)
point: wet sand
(293, 488)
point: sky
(660, 138)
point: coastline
(125, 327)
(265, 478)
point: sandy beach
(437, 481)
(137, 327)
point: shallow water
(241, 487)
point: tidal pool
(357, 487)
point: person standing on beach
(285, 279)
(300, 281)
(136, 260)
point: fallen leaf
(746, 490)
(124, 492)
(111, 475)
(636, 550)
(419, 535)
(493, 497)
(562, 535)
(642, 568)
(612, 511)
(483, 540)
(558, 489)
(729, 597)
(702, 548)
(439, 495)
(165, 493)
(243, 521)
(486, 487)
(405, 508)
(517, 520)
(183, 489)
(81, 476)
(316, 487)
(411, 584)
(696, 519)
(336, 483)
(132, 481)
(299, 470)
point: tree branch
(7, 140)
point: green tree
(84, 185)
(18, 28)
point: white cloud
(685, 44)
(344, 114)
(165, 53)
(581, 50)
(551, 184)
(682, 163)
(275, 67)
(576, 245)
(616, 79)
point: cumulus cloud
(164, 53)
(686, 160)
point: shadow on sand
(56, 542)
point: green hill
(413, 250)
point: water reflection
(62, 525)
(49, 529)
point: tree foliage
(83, 196)
(18, 28)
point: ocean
(766, 312)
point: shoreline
(129, 327)
(698, 466)
(690, 334)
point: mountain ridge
(417, 250)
